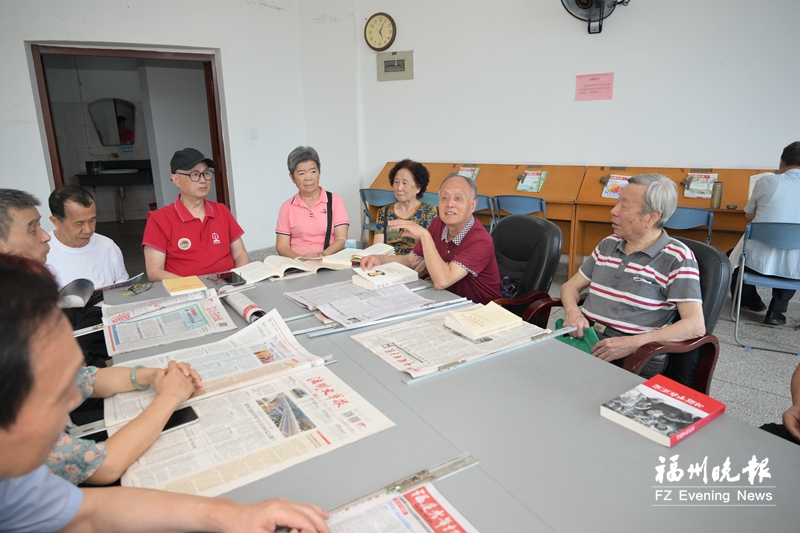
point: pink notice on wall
(594, 86)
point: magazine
(532, 181)
(614, 186)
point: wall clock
(380, 31)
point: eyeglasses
(207, 174)
(137, 288)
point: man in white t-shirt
(76, 251)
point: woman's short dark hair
(301, 154)
(29, 294)
(418, 171)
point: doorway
(158, 58)
(175, 101)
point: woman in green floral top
(409, 180)
(100, 463)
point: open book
(268, 404)
(277, 268)
(354, 255)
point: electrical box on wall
(395, 66)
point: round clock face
(380, 31)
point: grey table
(548, 460)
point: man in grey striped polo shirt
(638, 278)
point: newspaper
(370, 306)
(252, 432)
(172, 324)
(263, 350)
(113, 314)
(419, 510)
(420, 347)
(316, 296)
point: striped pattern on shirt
(639, 292)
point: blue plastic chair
(375, 198)
(431, 198)
(690, 218)
(781, 235)
(519, 205)
(485, 203)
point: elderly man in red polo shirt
(457, 250)
(192, 236)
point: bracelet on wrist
(136, 384)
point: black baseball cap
(187, 158)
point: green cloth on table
(585, 344)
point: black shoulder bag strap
(327, 240)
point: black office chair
(691, 362)
(527, 250)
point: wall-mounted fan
(592, 11)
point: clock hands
(380, 30)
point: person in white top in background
(774, 199)
(76, 251)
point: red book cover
(663, 410)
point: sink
(119, 171)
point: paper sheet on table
(263, 350)
(316, 296)
(373, 305)
(419, 510)
(421, 346)
(113, 314)
(173, 324)
(252, 432)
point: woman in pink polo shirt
(307, 217)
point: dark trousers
(94, 344)
(654, 366)
(750, 297)
(779, 430)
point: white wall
(259, 69)
(176, 116)
(696, 83)
(709, 83)
(330, 86)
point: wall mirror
(113, 119)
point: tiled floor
(128, 237)
(754, 384)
